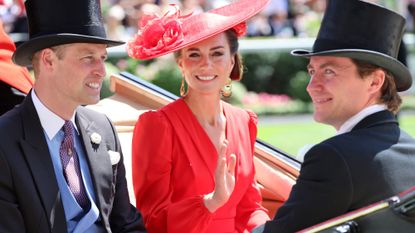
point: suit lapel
(98, 161)
(36, 152)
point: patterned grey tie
(70, 165)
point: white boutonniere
(114, 157)
(96, 138)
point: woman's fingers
(221, 166)
(223, 148)
(232, 164)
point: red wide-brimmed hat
(10, 73)
(172, 31)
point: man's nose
(100, 69)
(314, 83)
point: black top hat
(362, 31)
(57, 22)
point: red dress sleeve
(252, 124)
(152, 149)
(250, 213)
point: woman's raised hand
(224, 180)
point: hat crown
(57, 22)
(354, 24)
(46, 17)
(363, 31)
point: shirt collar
(352, 121)
(51, 123)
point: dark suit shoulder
(377, 137)
(10, 117)
(11, 125)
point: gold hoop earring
(227, 89)
(183, 89)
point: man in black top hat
(70, 178)
(354, 79)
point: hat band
(93, 30)
(322, 45)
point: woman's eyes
(214, 54)
(217, 53)
(194, 55)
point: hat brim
(23, 54)
(400, 72)
(211, 23)
(15, 76)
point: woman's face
(206, 66)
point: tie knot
(68, 128)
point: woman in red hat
(192, 162)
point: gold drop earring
(183, 88)
(227, 89)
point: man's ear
(377, 78)
(47, 57)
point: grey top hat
(362, 31)
(57, 22)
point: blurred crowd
(281, 18)
(13, 16)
